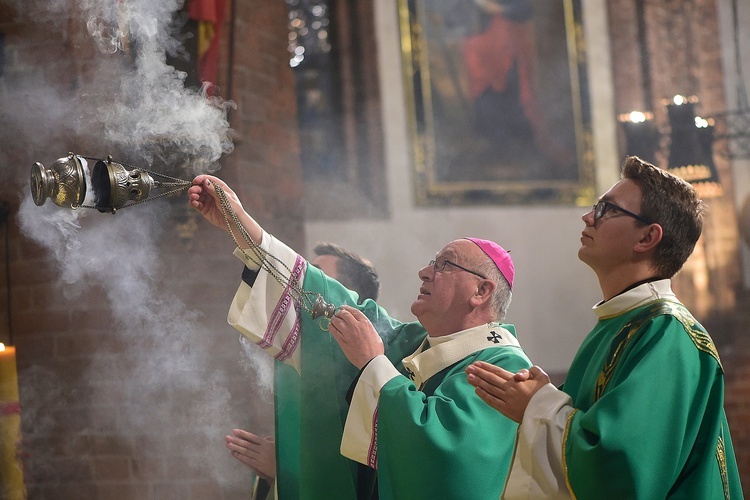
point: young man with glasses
(641, 413)
(413, 415)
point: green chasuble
(648, 388)
(435, 441)
(440, 442)
(443, 441)
(311, 409)
(287, 424)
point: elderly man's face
(443, 300)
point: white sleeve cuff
(537, 469)
(359, 440)
(265, 313)
(252, 263)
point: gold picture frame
(497, 101)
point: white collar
(445, 338)
(450, 349)
(636, 297)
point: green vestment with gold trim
(648, 388)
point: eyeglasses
(439, 265)
(601, 208)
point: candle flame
(2, 347)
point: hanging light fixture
(691, 147)
(641, 135)
(692, 138)
(691, 155)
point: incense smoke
(135, 103)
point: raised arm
(203, 196)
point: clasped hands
(355, 334)
(507, 392)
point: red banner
(210, 15)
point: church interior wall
(126, 364)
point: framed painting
(497, 101)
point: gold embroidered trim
(697, 334)
(564, 458)
(721, 459)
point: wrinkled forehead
(463, 249)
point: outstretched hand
(355, 334)
(203, 197)
(258, 453)
(507, 392)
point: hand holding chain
(312, 302)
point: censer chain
(262, 258)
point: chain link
(305, 299)
(262, 259)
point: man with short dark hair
(351, 270)
(641, 412)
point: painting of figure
(496, 88)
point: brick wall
(129, 375)
(737, 369)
